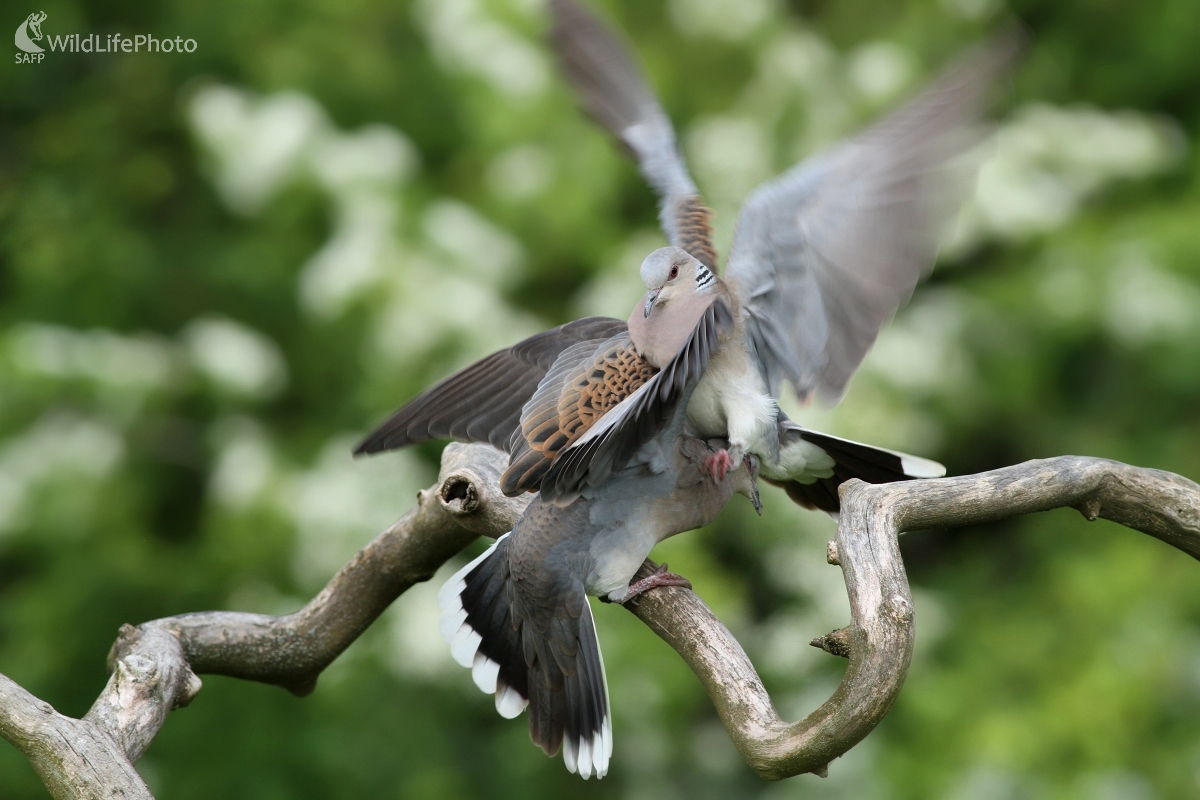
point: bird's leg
(660, 577)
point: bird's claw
(660, 577)
(718, 465)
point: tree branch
(880, 637)
(155, 664)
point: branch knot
(1090, 508)
(459, 494)
(836, 643)
(899, 609)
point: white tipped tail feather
(917, 467)
(912, 466)
(589, 752)
(509, 703)
(811, 466)
(465, 640)
(477, 621)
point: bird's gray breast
(624, 526)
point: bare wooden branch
(75, 758)
(292, 651)
(880, 638)
(155, 664)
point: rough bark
(155, 665)
(880, 638)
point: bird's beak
(651, 299)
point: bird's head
(670, 273)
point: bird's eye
(674, 272)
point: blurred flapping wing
(614, 91)
(824, 254)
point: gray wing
(612, 442)
(824, 254)
(612, 89)
(483, 402)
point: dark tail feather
(559, 674)
(588, 743)
(477, 621)
(850, 460)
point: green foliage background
(182, 375)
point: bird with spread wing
(632, 431)
(822, 257)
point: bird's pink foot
(718, 464)
(660, 577)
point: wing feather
(612, 88)
(483, 402)
(824, 254)
(583, 385)
(611, 444)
